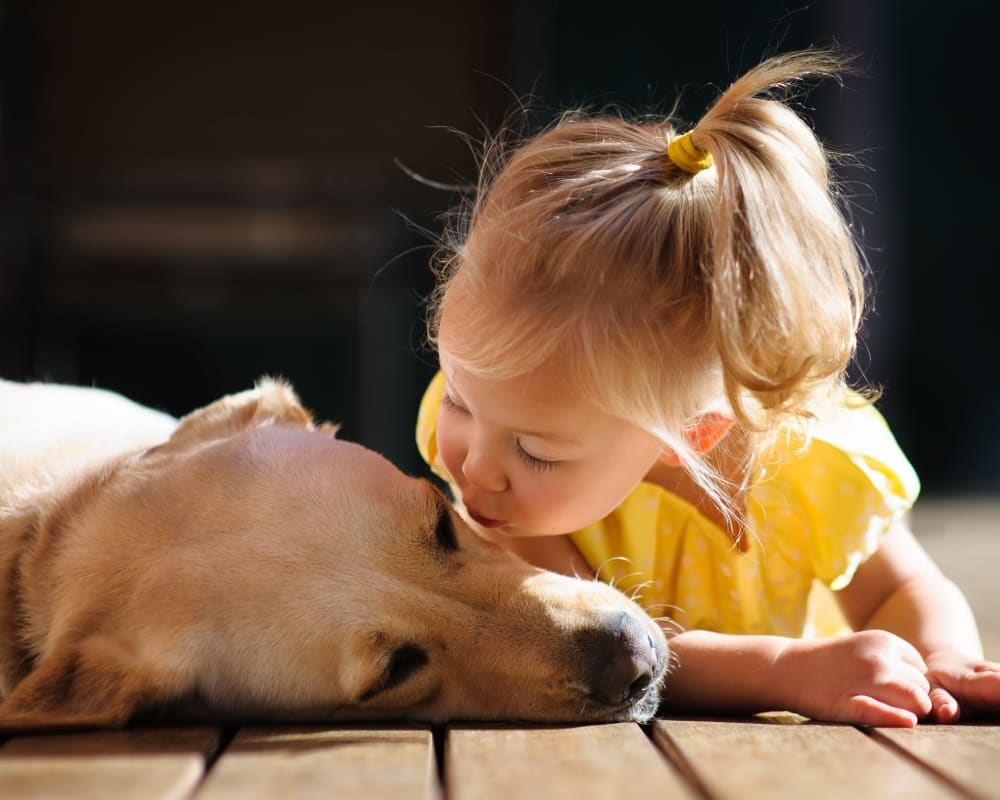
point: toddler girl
(642, 336)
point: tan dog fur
(248, 564)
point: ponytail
(785, 279)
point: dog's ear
(95, 683)
(329, 428)
(270, 402)
(18, 522)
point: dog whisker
(673, 662)
(597, 572)
(636, 590)
(652, 607)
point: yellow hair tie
(684, 154)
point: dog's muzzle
(627, 665)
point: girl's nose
(483, 471)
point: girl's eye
(451, 405)
(539, 464)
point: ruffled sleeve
(427, 418)
(848, 487)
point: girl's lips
(486, 522)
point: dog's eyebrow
(444, 530)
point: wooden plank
(141, 763)
(763, 758)
(586, 762)
(967, 755)
(306, 762)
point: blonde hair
(659, 291)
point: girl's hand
(961, 684)
(868, 677)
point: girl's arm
(871, 678)
(900, 589)
(916, 653)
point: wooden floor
(764, 757)
(769, 756)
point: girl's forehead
(545, 385)
(494, 333)
(538, 403)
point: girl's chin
(485, 522)
(495, 530)
(509, 530)
(498, 534)
(495, 533)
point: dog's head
(258, 567)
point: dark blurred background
(198, 193)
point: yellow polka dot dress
(819, 509)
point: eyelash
(539, 464)
(535, 463)
(448, 403)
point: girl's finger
(945, 708)
(981, 689)
(978, 688)
(910, 691)
(911, 656)
(869, 711)
(916, 677)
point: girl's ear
(709, 431)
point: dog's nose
(630, 664)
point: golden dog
(246, 563)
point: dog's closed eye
(404, 663)
(444, 532)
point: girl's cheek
(541, 499)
